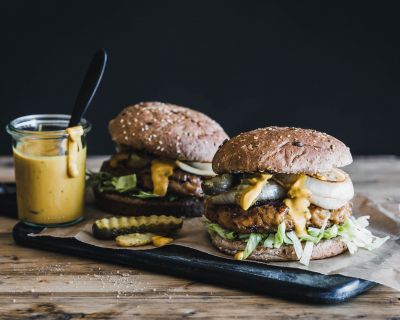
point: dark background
(325, 65)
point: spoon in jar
(89, 86)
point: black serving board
(288, 283)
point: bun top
(281, 149)
(168, 131)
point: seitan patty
(267, 217)
(180, 183)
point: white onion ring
(201, 165)
(191, 169)
(324, 193)
(327, 203)
(334, 190)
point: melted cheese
(251, 193)
(161, 170)
(298, 204)
(74, 145)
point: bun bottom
(324, 249)
(127, 206)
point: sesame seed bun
(281, 149)
(324, 249)
(168, 130)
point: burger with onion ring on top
(280, 196)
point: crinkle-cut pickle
(110, 228)
(134, 239)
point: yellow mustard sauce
(50, 183)
(74, 145)
(161, 170)
(298, 204)
(250, 194)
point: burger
(280, 196)
(163, 154)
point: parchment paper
(381, 265)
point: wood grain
(43, 285)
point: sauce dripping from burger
(298, 203)
(251, 193)
(161, 170)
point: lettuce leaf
(145, 195)
(280, 235)
(269, 241)
(105, 182)
(354, 233)
(124, 183)
(331, 232)
(216, 228)
(307, 253)
(252, 244)
(296, 244)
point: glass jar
(50, 165)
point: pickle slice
(110, 228)
(134, 239)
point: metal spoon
(89, 86)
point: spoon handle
(89, 86)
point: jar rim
(14, 127)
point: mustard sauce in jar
(50, 175)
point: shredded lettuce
(313, 232)
(252, 244)
(280, 235)
(216, 228)
(269, 241)
(331, 232)
(307, 253)
(105, 182)
(124, 183)
(296, 244)
(353, 232)
(355, 235)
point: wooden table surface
(43, 285)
